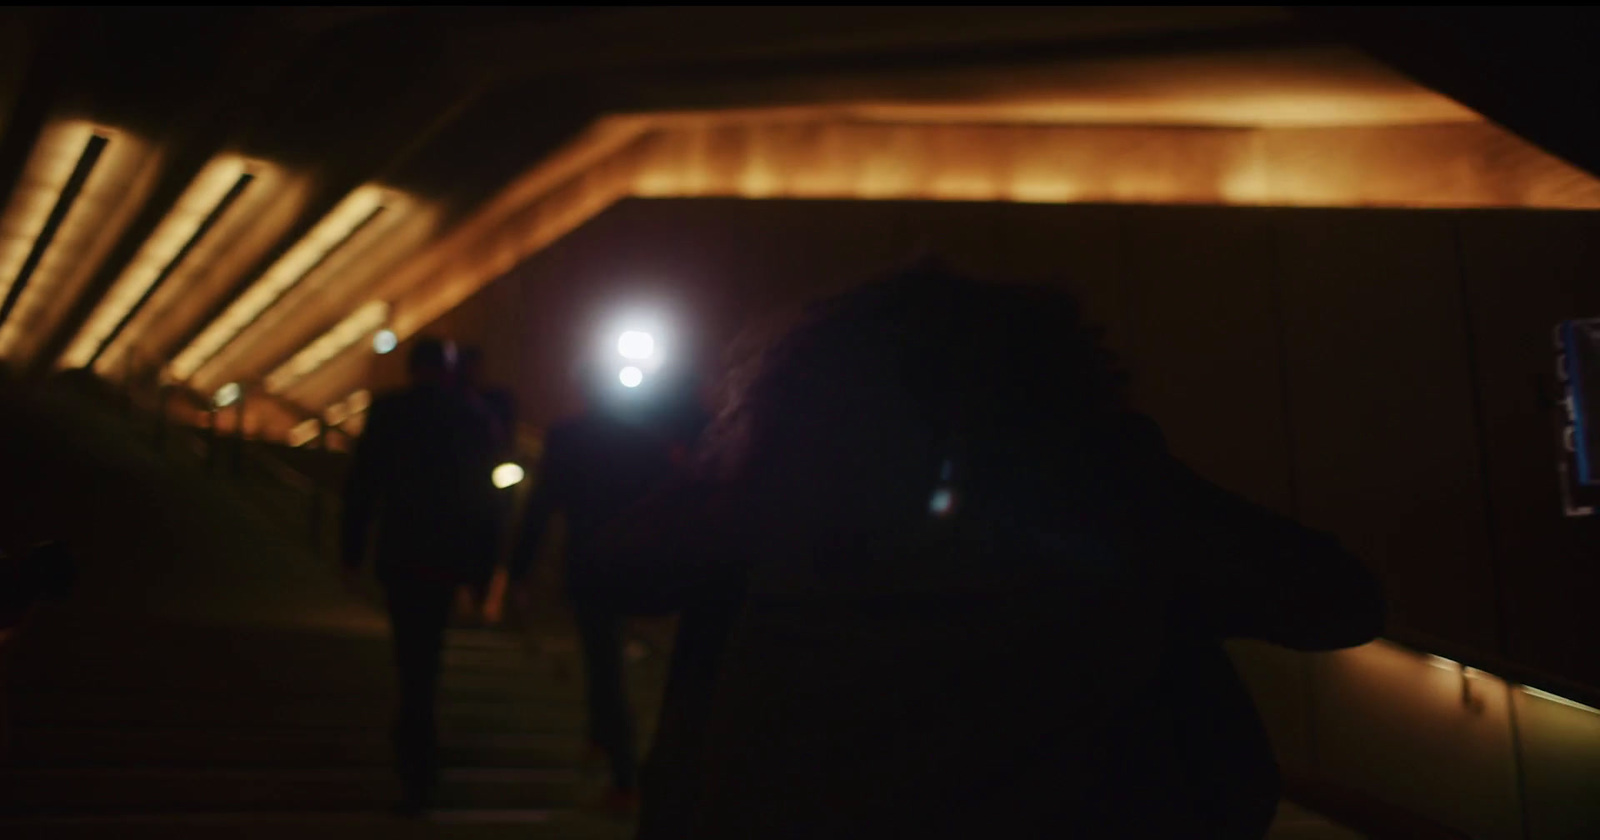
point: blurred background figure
(44, 572)
(595, 466)
(939, 581)
(419, 476)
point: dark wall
(1383, 374)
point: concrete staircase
(210, 679)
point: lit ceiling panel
(344, 223)
(195, 214)
(77, 193)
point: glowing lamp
(636, 345)
(630, 377)
(227, 395)
(507, 475)
(384, 342)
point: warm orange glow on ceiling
(352, 331)
(345, 282)
(1463, 164)
(192, 208)
(333, 231)
(254, 222)
(115, 188)
(787, 153)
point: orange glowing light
(330, 233)
(344, 335)
(344, 281)
(199, 201)
(304, 432)
(251, 225)
(1254, 144)
(117, 184)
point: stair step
(179, 711)
(62, 747)
(525, 824)
(532, 679)
(155, 790)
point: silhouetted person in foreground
(594, 467)
(939, 581)
(420, 474)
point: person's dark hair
(1009, 379)
(431, 355)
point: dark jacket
(984, 677)
(420, 473)
(594, 467)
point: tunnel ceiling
(245, 194)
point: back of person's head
(884, 394)
(431, 362)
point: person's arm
(1239, 570)
(363, 487)
(1260, 575)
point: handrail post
(317, 505)
(211, 438)
(238, 435)
(163, 399)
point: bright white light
(636, 345)
(385, 342)
(630, 377)
(508, 475)
(227, 395)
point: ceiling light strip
(311, 251)
(41, 244)
(128, 298)
(343, 336)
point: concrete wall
(1383, 374)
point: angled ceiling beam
(330, 192)
(193, 142)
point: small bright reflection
(385, 342)
(631, 377)
(636, 345)
(942, 502)
(227, 395)
(508, 475)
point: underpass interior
(1334, 288)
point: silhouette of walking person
(419, 477)
(595, 466)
